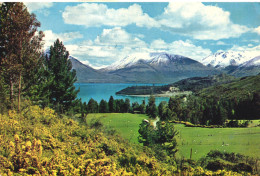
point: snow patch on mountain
(253, 62)
(224, 59)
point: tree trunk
(19, 91)
(11, 93)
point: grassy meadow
(126, 124)
(239, 140)
(201, 140)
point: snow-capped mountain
(157, 68)
(230, 58)
(148, 58)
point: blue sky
(99, 34)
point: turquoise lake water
(99, 91)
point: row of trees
(25, 72)
(208, 110)
(112, 106)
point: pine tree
(111, 104)
(151, 107)
(92, 106)
(126, 106)
(63, 91)
(103, 106)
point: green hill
(190, 84)
(239, 89)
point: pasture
(126, 124)
(245, 141)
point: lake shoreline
(171, 94)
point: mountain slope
(251, 67)
(88, 74)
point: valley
(201, 140)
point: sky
(99, 34)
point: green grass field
(126, 124)
(239, 140)
(245, 141)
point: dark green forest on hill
(44, 128)
(193, 84)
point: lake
(99, 91)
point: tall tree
(103, 106)
(63, 90)
(92, 106)
(111, 104)
(126, 106)
(19, 45)
(151, 109)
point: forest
(44, 128)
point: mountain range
(167, 68)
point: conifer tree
(92, 106)
(103, 106)
(111, 104)
(151, 109)
(63, 91)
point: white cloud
(193, 19)
(38, 6)
(118, 37)
(92, 14)
(116, 43)
(248, 49)
(221, 43)
(199, 21)
(257, 30)
(50, 37)
(109, 46)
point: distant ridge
(87, 74)
(166, 68)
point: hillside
(238, 89)
(190, 84)
(38, 141)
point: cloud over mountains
(189, 19)
(102, 33)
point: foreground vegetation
(40, 142)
